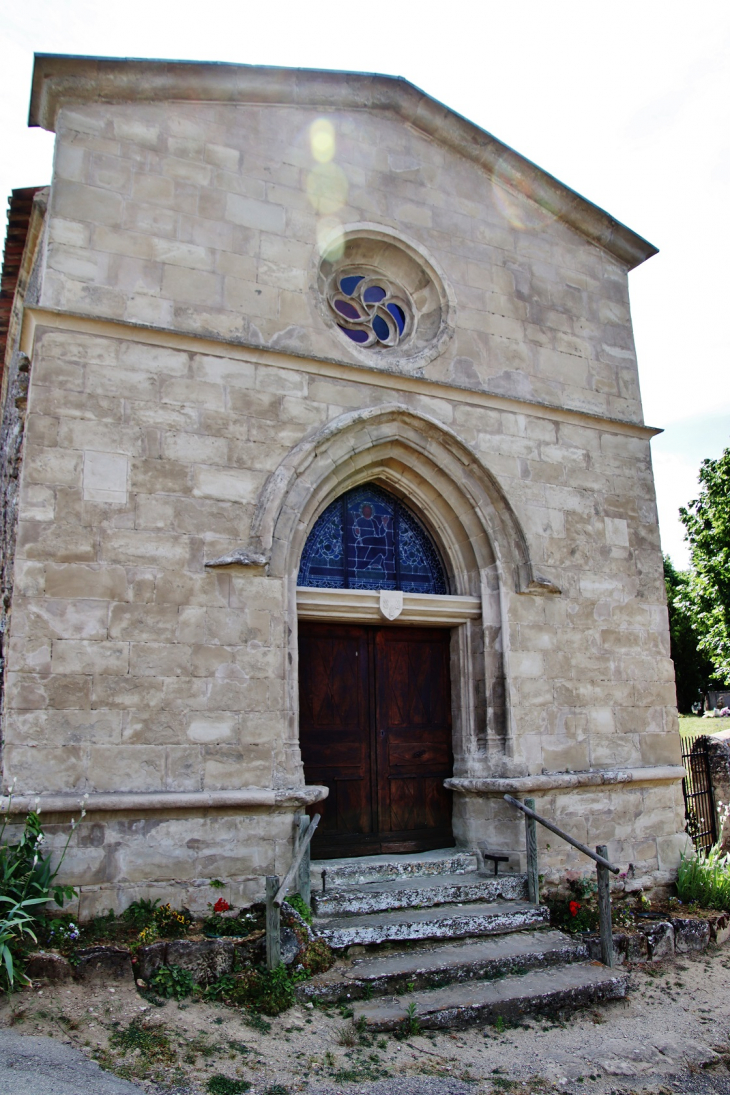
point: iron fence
(699, 801)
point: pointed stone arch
(436, 464)
(481, 539)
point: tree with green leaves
(693, 670)
(706, 598)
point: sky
(626, 101)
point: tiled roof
(20, 204)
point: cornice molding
(60, 79)
(566, 781)
(144, 801)
(35, 318)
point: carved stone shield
(391, 603)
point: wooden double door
(375, 727)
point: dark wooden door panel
(335, 727)
(413, 735)
(375, 727)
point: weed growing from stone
(298, 903)
(411, 1025)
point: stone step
(359, 870)
(433, 967)
(538, 991)
(420, 892)
(442, 922)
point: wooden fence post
(604, 909)
(273, 923)
(304, 880)
(533, 881)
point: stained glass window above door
(368, 539)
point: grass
(151, 1039)
(690, 726)
(704, 879)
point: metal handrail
(276, 891)
(560, 832)
(304, 839)
(603, 866)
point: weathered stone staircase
(446, 944)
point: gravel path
(36, 1065)
(671, 1035)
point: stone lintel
(141, 801)
(425, 609)
(566, 781)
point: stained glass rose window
(370, 309)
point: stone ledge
(566, 781)
(133, 801)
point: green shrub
(27, 883)
(267, 991)
(224, 1085)
(704, 879)
(172, 982)
(140, 914)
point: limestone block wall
(205, 217)
(181, 361)
(133, 667)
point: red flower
(574, 906)
(221, 905)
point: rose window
(369, 309)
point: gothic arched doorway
(375, 701)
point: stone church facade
(250, 302)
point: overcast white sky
(626, 101)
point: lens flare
(322, 140)
(330, 238)
(514, 196)
(327, 188)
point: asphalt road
(35, 1065)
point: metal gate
(699, 801)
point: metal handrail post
(604, 909)
(533, 878)
(273, 923)
(304, 878)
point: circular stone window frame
(407, 355)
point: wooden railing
(276, 890)
(599, 857)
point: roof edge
(65, 78)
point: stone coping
(567, 781)
(128, 801)
(60, 79)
